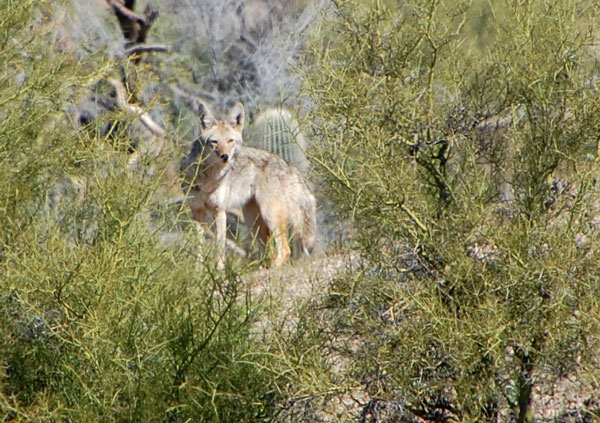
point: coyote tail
(308, 230)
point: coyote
(220, 176)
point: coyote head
(222, 138)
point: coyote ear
(236, 116)
(206, 116)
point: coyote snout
(222, 176)
(223, 141)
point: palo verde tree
(105, 312)
(461, 138)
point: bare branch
(149, 16)
(136, 110)
(128, 20)
(134, 27)
(155, 48)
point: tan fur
(220, 176)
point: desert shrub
(468, 167)
(106, 313)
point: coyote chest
(225, 189)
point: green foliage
(106, 313)
(461, 138)
(465, 163)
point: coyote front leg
(221, 221)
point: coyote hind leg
(255, 224)
(281, 243)
(265, 224)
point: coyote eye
(231, 141)
(213, 142)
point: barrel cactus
(275, 130)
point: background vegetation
(458, 140)
(468, 165)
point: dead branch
(128, 20)
(150, 15)
(134, 27)
(122, 102)
(156, 48)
